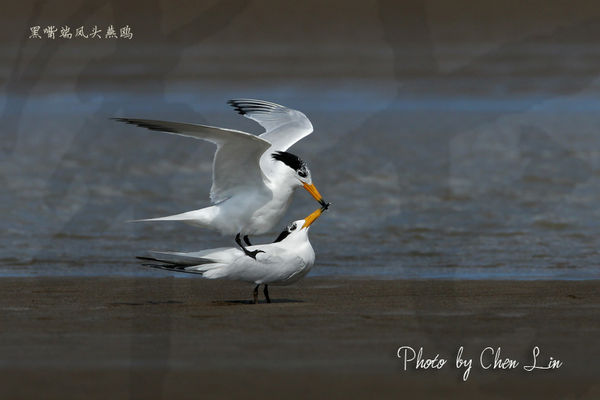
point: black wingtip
(125, 120)
(152, 259)
(247, 106)
(148, 124)
(164, 264)
(236, 107)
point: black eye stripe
(289, 159)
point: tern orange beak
(312, 217)
(314, 193)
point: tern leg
(247, 240)
(246, 251)
(266, 292)
(255, 294)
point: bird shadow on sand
(145, 303)
(250, 302)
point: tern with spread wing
(282, 262)
(254, 177)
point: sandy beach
(190, 338)
(457, 142)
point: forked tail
(200, 217)
(180, 262)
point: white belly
(275, 266)
(252, 215)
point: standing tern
(254, 177)
(282, 262)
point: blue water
(452, 187)
(469, 164)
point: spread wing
(283, 126)
(236, 164)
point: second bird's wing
(236, 165)
(284, 126)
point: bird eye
(292, 227)
(302, 173)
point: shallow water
(484, 167)
(417, 192)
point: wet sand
(189, 338)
